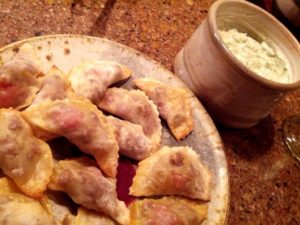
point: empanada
(24, 158)
(83, 124)
(18, 209)
(135, 107)
(167, 211)
(84, 183)
(89, 217)
(55, 85)
(173, 105)
(91, 79)
(18, 83)
(172, 171)
(132, 141)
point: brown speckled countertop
(264, 177)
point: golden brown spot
(16, 49)
(49, 42)
(48, 57)
(177, 159)
(66, 42)
(39, 47)
(178, 120)
(67, 51)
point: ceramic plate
(66, 51)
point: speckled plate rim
(219, 204)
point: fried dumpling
(167, 211)
(173, 105)
(24, 158)
(83, 124)
(172, 171)
(84, 183)
(134, 106)
(89, 217)
(132, 141)
(55, 85)
(16, 208)
(91, 79)
(18, 83)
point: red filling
(11, 94)
(126, 172)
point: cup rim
(245, 71)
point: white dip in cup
(235, 94)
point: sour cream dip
(260, 57)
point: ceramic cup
(234, 95)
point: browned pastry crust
(173, 105)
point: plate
(67, 51)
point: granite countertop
(264, 177)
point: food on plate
(55, 85)
(134, 106)
(82, 124)
(89, 217)
(62, 110)
(260, 57)
(172, 171)
(91, 79)
(167, 211)
(173, 104)
(84, 183)
(24, 158)
(18, 83)
(132, 141)
(17, 208)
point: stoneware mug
(234, 95)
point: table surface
(264, 177)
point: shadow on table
(99, 27)
(249, 143)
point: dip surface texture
(260, 57)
